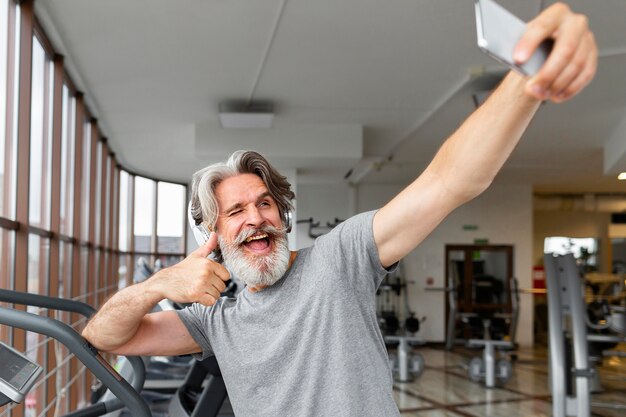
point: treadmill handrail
(44, 301)
(84, 352)
(73, 306)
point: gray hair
(203, 201)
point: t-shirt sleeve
(195, 318)
(351, 250)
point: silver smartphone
(498, 31)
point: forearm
(469, 160)
(120, 317)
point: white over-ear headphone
(200, 231)
(288, 220)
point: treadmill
(18, 373)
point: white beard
(257, 271)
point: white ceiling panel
(155, 71)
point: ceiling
(364, 87)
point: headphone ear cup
(287, 221)
(200, 231)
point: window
(122, 271)
(144, 214)
(7, 245)
(171, 215)
(125, 196)
(100, 183)
(95, 196)
(9, 63)
(108, 212)
(38, 277)
(68, 150)
(585, 250)
(86, 182)
(40, 137)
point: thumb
(209, 246)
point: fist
(194, 279)
(573, 61)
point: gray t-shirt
(310, 344)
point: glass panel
(584, 249)
(164, 261)
(68, 149)
(65, 270)
(97, 210)
(38, 250)
(105, 273)
(144, 268)
(84, 271)
(122, 271)
(7, 245)
(8, 117)
(40, 137)
(95, 280)
(85, 182)
(114, 207)
(38, 278)
(124, 212)
(171, 215)
(144, 213)
(107, 203)
(61, 352)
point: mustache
(271, 231)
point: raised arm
(469, 160)
(124, 326)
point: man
(302, 338)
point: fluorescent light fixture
(622, 176)
(239, 115)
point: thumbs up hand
(194, 279)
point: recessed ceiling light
(622, 176)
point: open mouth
(258, 242)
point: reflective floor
(445, 390)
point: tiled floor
(444, 389)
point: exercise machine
(392, 306)
(491, 332)
(500, 324)
(125, 394)
(18, 374)
(571, 375)
(202, 394)
(489, 368)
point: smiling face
(250, 231)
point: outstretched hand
(194, 279)
(573, 60)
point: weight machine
(571, 375)
(487, 368)
(392, 306)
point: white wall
(323, 202)
(503, 215)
